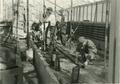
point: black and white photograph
(59, 41)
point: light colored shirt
(51, 19)
(92, 46)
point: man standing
(60, 26)
(86, 50)
(49, 25)
(50, 16)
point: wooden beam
(67, 54)
(89, 4)
(114, 51)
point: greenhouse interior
(59, 41)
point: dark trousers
(52, 34)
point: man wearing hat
(50, 23)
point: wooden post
(55, 9)
(114, 46)
(17, 21)
(91, 12)
(75, 9)
(68, 15)
(87, 13)
(12, 16)
(102, 12)
(71, 17)
(83, 12)
(1, 10)
(106, 33)
(96, 11)
(77, 13)
(73, 14)
(71, 9)
(79, 18)
(44, 25)
(28, 36)
(12, 9)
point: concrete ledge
(44, 72)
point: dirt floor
(91, 74)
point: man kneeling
(86, 51)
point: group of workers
(85, 51)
